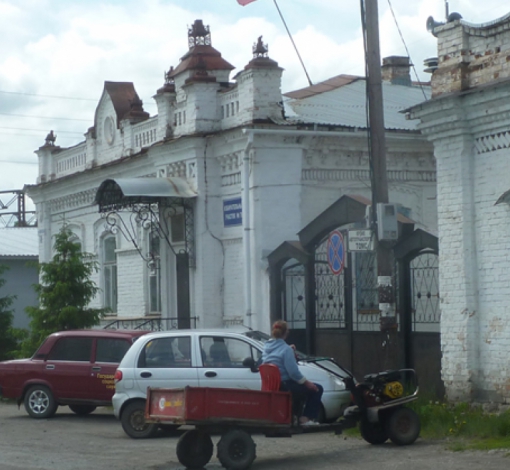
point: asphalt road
(97, 442)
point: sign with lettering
(232, 212)
(361, 240)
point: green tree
(8, 334)
(64, 293)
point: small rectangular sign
(361, 240)
(232, 212)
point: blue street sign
(336, 252)
(232, 212)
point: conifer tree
(64, 292)
(8, 341)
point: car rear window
(166, 353)
(71, 349)
(111, 350)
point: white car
(203, 358)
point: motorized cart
(237, 414)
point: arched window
(110, 273)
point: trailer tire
(373, 433)
(194, 449)
(403, 426)
(236, 450)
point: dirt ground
(97, 442)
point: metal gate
(346, 317)
(423, 331)
(330, 291)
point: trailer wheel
(403, 426)
(373, 433)
(236, 450)
(194, 449)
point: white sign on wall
(361, 240)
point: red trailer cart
(235, 414)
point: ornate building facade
(182, 209)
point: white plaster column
(445, 125)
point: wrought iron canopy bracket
(148, 204)
(129, 217)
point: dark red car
(73, 368)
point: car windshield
(322, 362)
(263, 337)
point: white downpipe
(246, 208)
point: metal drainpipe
(246, 227)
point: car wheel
(39, 402)
(133, 421)
(82, 409)
(373, 433)
(403, 426)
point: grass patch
(440, 420)
(472, 427)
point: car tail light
(118, 375)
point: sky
(55, 55)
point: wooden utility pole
(385, 263)
(375, 104)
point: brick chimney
(396, 70)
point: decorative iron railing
(152, 324)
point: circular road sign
(336, 252)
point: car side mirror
(250, 363)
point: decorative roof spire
(169, 80)
(199, 35)
(260, 56)
(260, 49)
(50, 139)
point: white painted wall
(471, 135)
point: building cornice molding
(394, 176)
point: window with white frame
(110, 273)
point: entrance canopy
(118, 193)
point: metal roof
(127, 191)
(341, 101)
(19, 242)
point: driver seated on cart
(278, 352)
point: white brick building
(468, 121)
(255, 171)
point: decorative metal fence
(152, 324)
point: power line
(40, 130)
(44, 117)
(407, 50)
(58, 97)
(19, 162)
(48, 96)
